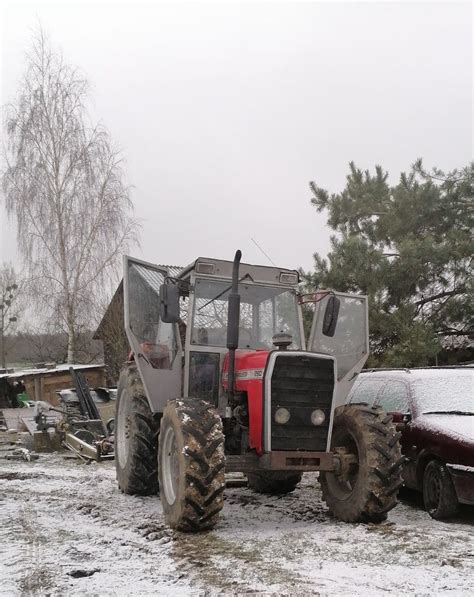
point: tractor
(220, 379)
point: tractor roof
(219, 268)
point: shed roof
(58, 369)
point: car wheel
(439, 495)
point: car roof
(416, 373)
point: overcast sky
(225, 112)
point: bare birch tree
(64, 183)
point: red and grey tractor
(222, 380)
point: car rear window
(394, 397)
(367, 390)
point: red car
(434, 411)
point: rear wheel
(439, 495)
(191, 465)
(273, 482)
(366, 487)
(136, 436)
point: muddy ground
(65, 529)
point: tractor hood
(249, 365)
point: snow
(461, 467)
(443, 389)
(57, 368)
(60, 519)
(456, 426)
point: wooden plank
(12, 417)
(30, 424)
(22, 419)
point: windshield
(264, 311)
(440, 391)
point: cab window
(264, 311)
(155, 339)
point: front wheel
(439, 495)
(191, 465)
(366, 487)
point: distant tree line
(31, 348)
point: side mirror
(330, 316)
(400, 417)
(397, 417)
(169, 303)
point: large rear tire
(367, 489)
(273, 482)
(191, 465)
(136, 436)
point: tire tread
(140, 475)
(201, 428)
(382, 466)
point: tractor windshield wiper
(223, 292)
(448, 412)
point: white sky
(224, 112)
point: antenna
(259, 247)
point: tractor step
(282, 461)
(241, 463)
(298, 461)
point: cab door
(349, 343)
(155, 344)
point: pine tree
(409, 247)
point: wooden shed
(42, 384)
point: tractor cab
(195, 305)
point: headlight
(317, 417)
(282, 416)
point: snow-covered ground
(65, 529)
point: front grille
(300, 383)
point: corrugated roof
(173, 270)
(155, 278)
(57, 369)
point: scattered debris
(81, 573)
(236, 480)
(8, 437)
(75, 424)
(84, 432)
(22, 454)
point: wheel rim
(342, 486)
(123, 431)
(433, 490)
(169, 466)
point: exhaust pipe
(233, 319)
